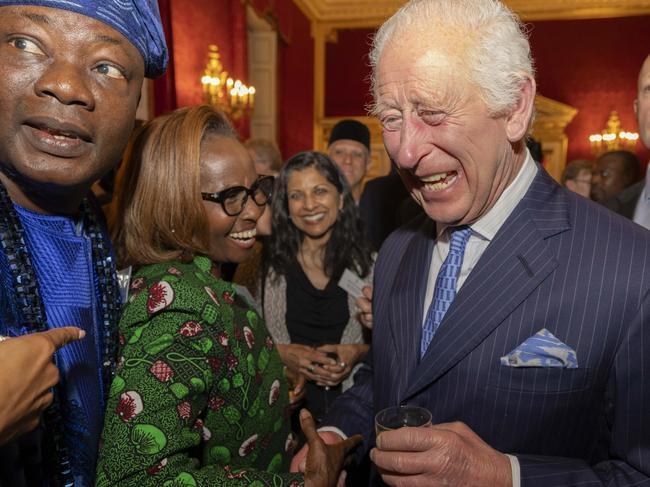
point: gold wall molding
(371, 13)
(355, 13)
(578, 9)
(549, 126)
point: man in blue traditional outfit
(70, 78)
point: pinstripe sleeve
(353, 411)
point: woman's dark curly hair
(347, 246)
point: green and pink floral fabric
(200, 397)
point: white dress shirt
(483, 231)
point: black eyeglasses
(233, 200)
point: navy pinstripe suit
(559, 262)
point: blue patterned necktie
(445, 290)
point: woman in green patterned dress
(199, 397)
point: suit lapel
(513, 265)
(407, 298)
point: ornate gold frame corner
(551, 119)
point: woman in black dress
(317, 235)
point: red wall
(296, 83)
(347, 85)
(189, 31)
(164, 87)
(206, 22)
(591, 65)
(192, 27)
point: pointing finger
(308, 426)
(60, 337)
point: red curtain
(239, 67)
(189, 29)
(191, 26)
(164, 88)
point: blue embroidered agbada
(61, 254)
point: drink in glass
(396, 417)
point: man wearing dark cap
(349, 148)
(71, 72)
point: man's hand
(364, 303)
(27, 374)
(299, 459)
(324, 463)
(444, 454)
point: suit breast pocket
(540, 380)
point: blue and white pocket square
(543, 349)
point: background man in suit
(614, 172)
(515, 310)
(634, 202)
(380, 203)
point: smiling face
(454, 158)
(69, 89)
(313, 202)
(225, 163)
(352, 158)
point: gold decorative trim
(578, 9)
(551, 120)
(552, 117)
(371, 13)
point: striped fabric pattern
(559, 262)
(445, 290)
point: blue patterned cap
(137, 20)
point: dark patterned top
(200, 398)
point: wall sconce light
(612, 137)
(219, 90)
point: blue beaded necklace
(31, 311)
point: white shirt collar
(489, 224)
